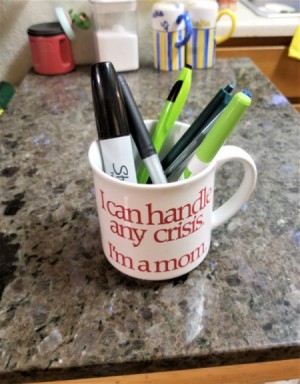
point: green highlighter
(219, 133)
(171, 110)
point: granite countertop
(65, 312)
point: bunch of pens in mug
(118, 120)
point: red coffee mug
(51, 50)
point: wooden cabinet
(255, 373)
(271, 56)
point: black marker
(141, 136)
(112, 125)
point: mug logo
(172, 224)
(135, 224)
(157, 13)
(201, 24)
(121, 173)
(165, 25)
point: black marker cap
(110, 113)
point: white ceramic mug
(158, 232)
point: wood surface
(274, 62)
(255, 373)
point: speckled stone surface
(66, 313)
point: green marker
(218, 134)
(171, 110)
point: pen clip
(175, 91)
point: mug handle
(188, 29)
(241, 195)
(221, 39)
(62, 51)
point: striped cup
(201, 48)
(171, 29)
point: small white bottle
(115, 33)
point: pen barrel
(176, 168)
(155, 170)
(193, 136)
(173, 106)
(223, 127)
(151, 163)
(195, 166)
(137, 127)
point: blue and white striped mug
(201, 48)
(171, 30)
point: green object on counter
(171, 110)
(6, 93)
(81, 20)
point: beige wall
(17, 15)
